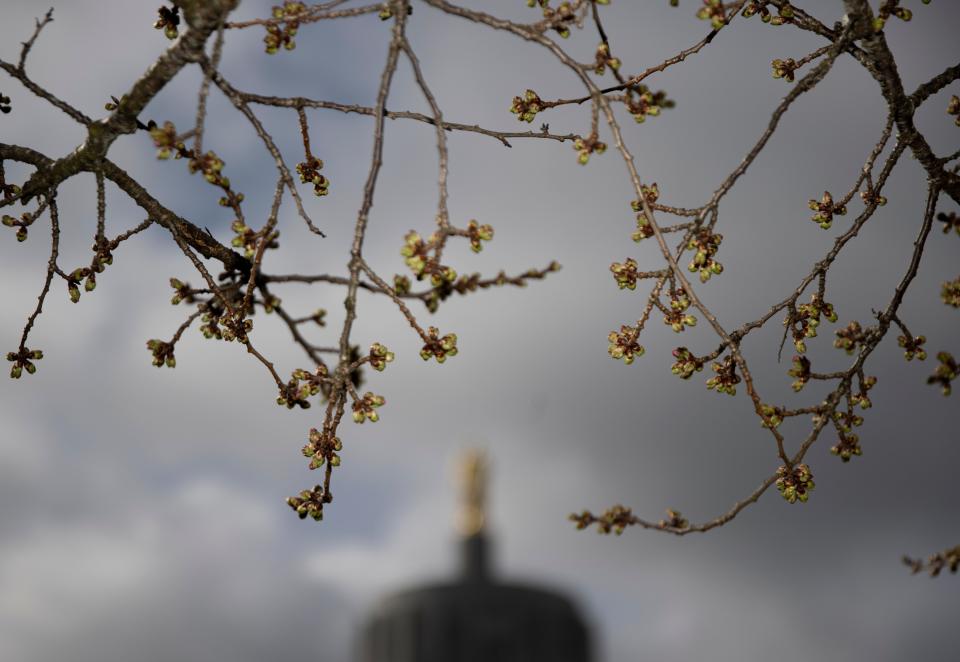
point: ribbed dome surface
(475, 619)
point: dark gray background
(141, 510)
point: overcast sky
(141, 510)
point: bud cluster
(945, 373)
(950, 221)
(561, 17)
(935, 564)
(847, 446)
(416, 253)
(365, 408)
(714, 12)
(380, 356)
(686, 363)
(624, 345)
(644, 228)
(677, 317)
(646, 102)
(847, 420)
(784, 15)
(771, 417)
(210, 321)
(625, 274)
(162, 353)
(849, 337)
(527, 106)
(211, 166)
(674, 520)
(477, 233)
(800, 371)
(88, 275)
(825, 210)
(401, 285)
(235, 327)
(806, 318)
(891, 8)
(166, 141)
(8, 191)
(26, 220)
(726, 379)
(322, 446)
(950, 293)
(102, 254)
(913, 347)
(168, 20)
(871, 197)
(861, 398)
(437, 347)
(603, 59)
(795, 484)
(784, 69)
(650, 193)
(705, 244)
(587, 146)
(247, 238)
(614, 520)
(309, 502)
(23, 360)
(301, 386)
(953, 108)
(181, 292)
(85, 274)
(281, 34)
(309, 172)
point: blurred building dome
(475, 618)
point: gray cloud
(142, 514)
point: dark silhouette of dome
(475, 618)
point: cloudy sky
(141, 510)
